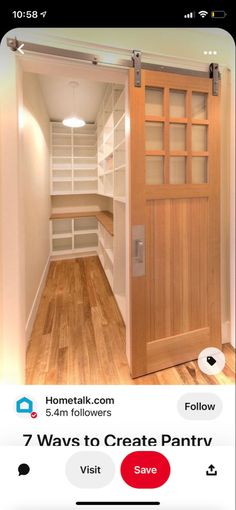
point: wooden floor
(79, 336)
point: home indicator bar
(149, 503)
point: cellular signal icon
(190, 15)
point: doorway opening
(76, 326)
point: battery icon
(218, 14)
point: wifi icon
(203, 14)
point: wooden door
(175, 219)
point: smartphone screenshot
(117, 265)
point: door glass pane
(153, 101)
(199, 138)
(177, 103)
(177, 137)
(199, 105)
(154, 136)
(154, 170)
(177, 170)
(199, 170)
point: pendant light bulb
(73, 121)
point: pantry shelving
(111, 159)
(77, 232)
(92, 160)
(73, 159)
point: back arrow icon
(20, 49)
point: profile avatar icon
(24, 405)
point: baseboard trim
(69, 256)
(34, 308)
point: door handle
(138, 250)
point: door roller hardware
(215, 75)
(136, 57)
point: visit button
(145, 470)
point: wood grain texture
(79, 336)
(177, 81)
(170, 351)
(176, 267)
(179, 292)
(136, 217)
(214, 217)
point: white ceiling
(58, 96)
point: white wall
(36, 175)
(12, 344)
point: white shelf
(92, 231)
(61, 145)
(87, 191)
(84, 157)
(119, 287)
(57, 133)
(120, 167)
(72, 235)
(92, 249)
(73, 151)
(108, 172)
(111, 143)
(61, 166)
(84, 146)
(85, 179)
(84, 134)
(61, 179)
(122, 118)
(60, 157)
(120, 146)
(61, 236)
(120, 199)
(77, 166)
(108, 154)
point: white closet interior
(87, 163)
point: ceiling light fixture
(73, 121)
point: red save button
(145, 470)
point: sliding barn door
(175, 218)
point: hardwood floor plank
(79, 335)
